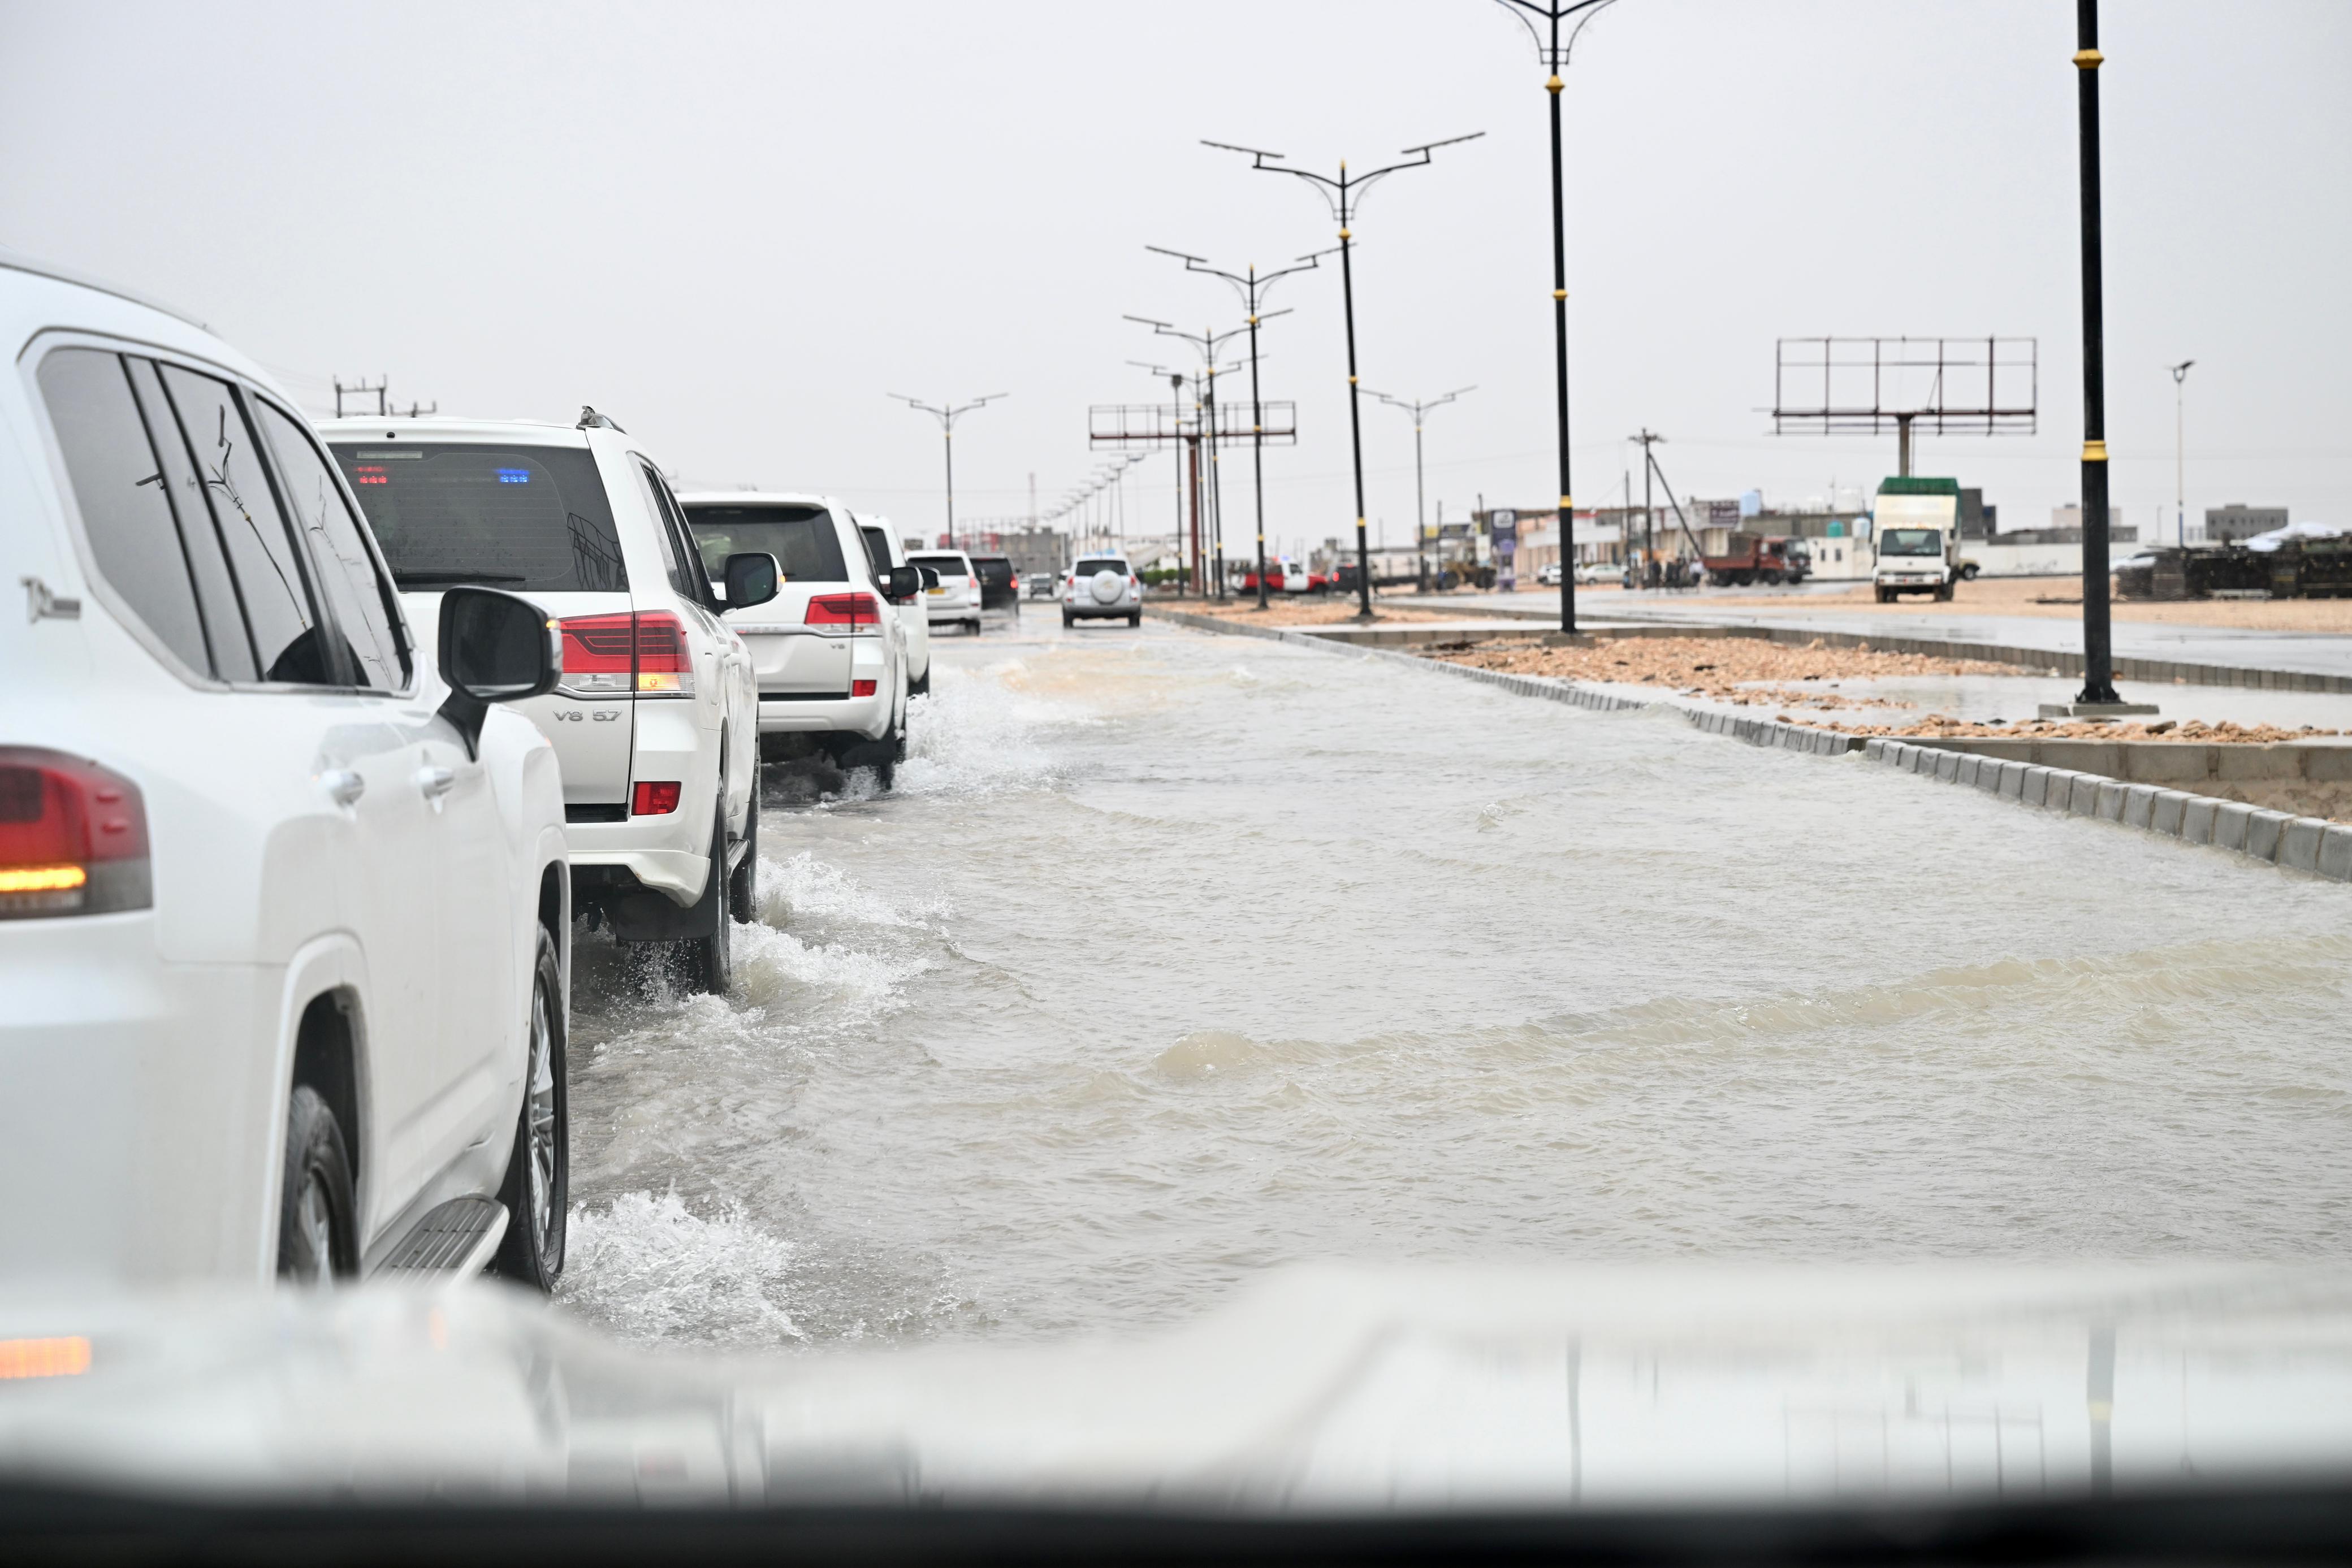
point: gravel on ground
(2061, 599)
(1718, 668)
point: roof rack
(591, 420)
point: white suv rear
(956, 598)
(827, 652)
(654, 720)
(1102, 588)
(283, 919)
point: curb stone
(2309, 844)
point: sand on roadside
(1717, 668)
(2061, 599)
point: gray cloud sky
(737, 227)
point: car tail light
(861, 689)
(852, 613)
(653, 799)
(73, 837)
(611, 655)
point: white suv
(956, 597)
(828, 653)
(283, 917)
(883, 549)
(1102, 588)
(654, 718)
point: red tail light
(73, 837)
(861, 689)
(852, 613)
(652, 800)
(614, 654)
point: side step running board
(456, 1238)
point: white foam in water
(776, 969)
(650, 1270)
(807, 888)
(974, 733)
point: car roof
(758, 498)
(442, 427)
(17, 261)
(37, 297)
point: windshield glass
(945, 565)
(1088, 568)
(877, 548)
(803, 538)
(995, 573)
(1911, 542)
(520, 517)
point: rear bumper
(1087, 610)
(867, 717)
(937, 611)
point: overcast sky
(736, 228)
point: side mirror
(751, 577)
(930, 577)
(905, 583)
(494, 647)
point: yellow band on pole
(1568, 503)
(1351, 380)
(1555, 84)
(1344, 234)
(2094, 452)
(1560, 294)
(2088, 59)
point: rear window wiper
(421, 578)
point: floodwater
(1175, 956)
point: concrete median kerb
(2306, 845)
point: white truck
(1916, 523)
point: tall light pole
(1346, 194)
(1420, 411)
(2181, 451)
(947, 414)
(1253, 286)
(1208, 341)
(1555, 52)
(2098, 647)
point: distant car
(882, 546)
(1000, 585)
(956, 598)
(284, 919)
(1102, 588)
(1590, 572)
(1547, 576)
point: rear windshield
(804, 541)
(877, 548)
(527, 517)
(945, 565)
(1911, 542)
(995, 573)
(1088, 568)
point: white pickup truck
(1916, 522)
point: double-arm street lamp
(1420, 411)
(1254, 285)
(1344, 193)
(1208, 342)
(1555, 50)
(947, 414)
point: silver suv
(1102, 588)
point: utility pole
(1555, 54)
(2180, 451)
(2098, 648)
(1345, 194)
(1208, 341)
(1253, 289)
(1649, 543)
(947, 414)
(1420, 411)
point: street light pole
(1208, 342)
(1555, 53)
(1254, 287)
(1420, 411)
(2098, 647)
(947, 414)
(2181, 451)
(1346, 194)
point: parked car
(654, 718)
(1590, 572)
(831, 654)
(956, 597)
(1547, 575)
(1000, 585)
(883, 549)
(283, 911)
(1101, 588)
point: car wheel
(318, 1222)
(538, 1189)
(974, 624)
(1136, 618)
(1068, 618)
(921, 686)
(708, 963)
(743, 884)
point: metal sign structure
(1156, 424)
(1867, 386)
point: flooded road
(1175, 956)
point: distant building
(2238, 521)
(2065, 519)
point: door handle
(435, 782)
(344, 786)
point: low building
(2239, 521)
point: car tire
(1943, 594)
(1136, 618)
(537, 1187)
(921, 686)
(743, 882)
(317, 1220)
(974, 624)
(1068, 619)
(706, 963)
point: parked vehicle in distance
(1000, 585)
(1750, 558)
(884, 550)
(1548, 574)
(284, 922)
(654, 718)
(1101, 588)
(1917, 523)
(956, 597)
(1912, 561)
(1591, 571)
(828, 649)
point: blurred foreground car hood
(1318, 1390)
